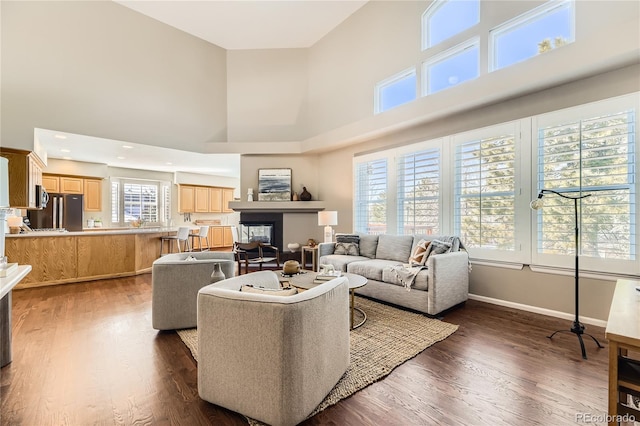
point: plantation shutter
(419, 192)
(591, 156)
(371, 197)
(115, 202)
(485, 193)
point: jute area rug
(390, 337)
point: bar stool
(203, 234)
(182, 235)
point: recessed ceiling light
(65, 150)
(168, 163)
(121, 158)
(59, 136)
(66, 158)
(127, 146)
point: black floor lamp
(578, 328)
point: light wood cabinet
(227, 195)
(204, 199)
(227, 237)
(186, 199)
(92, 195)
(51, 183)
(25, 172)
(215, 200)
(216, 237)
(71, 185)
(201, 204)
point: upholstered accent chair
(175, 282)
(271, 358)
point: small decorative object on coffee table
(217, 274)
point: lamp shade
(14, 221)
(4, 182)
(327, 218)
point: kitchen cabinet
(25, 172)
(201, 204)
(92, 195)
(71, 185)
(227, 195)
(204, 199)
(51, 183)
(186, 199)
(216, 237)
(227, 237)
(215, 200)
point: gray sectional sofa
(441, 283)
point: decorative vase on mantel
(305, 195)
(217, 274)
(295, 196)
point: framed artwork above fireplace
(274, 185)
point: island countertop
(96, 231)
(69, 257)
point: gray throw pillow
(350, 249)
(347, 238)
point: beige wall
(100, 69)
(267, 95)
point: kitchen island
(69, 257)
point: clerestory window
(395, 91)
(446, 18)
(547, 27)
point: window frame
(587, 263)
(520, 252)
(389, 81)
(524, 19)
(163, 206)
(429, 12)
(448, 54)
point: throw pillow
(350, 249)
(419, 253)
(348, 238)
(272, 291)
(438, 247)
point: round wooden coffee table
(305, 281)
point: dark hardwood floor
(86, 354)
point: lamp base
(578, 330)
(328, 234)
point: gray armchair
(271, 358)
(175, 283)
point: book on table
(326, 276)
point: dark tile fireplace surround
(264, 227)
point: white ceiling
(230, 24)
(259, 24)
(69, 146)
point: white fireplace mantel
(277, 206)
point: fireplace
(262, 227)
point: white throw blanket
(406, 274)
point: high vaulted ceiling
(262, 24)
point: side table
(314, 257)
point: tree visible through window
(371, 197)
(535, 32)
(485, 193)
(419, 192)
(592, 156)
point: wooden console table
(623, 334)
(6, 286)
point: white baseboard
(538, 310)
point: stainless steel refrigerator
(62, 211)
